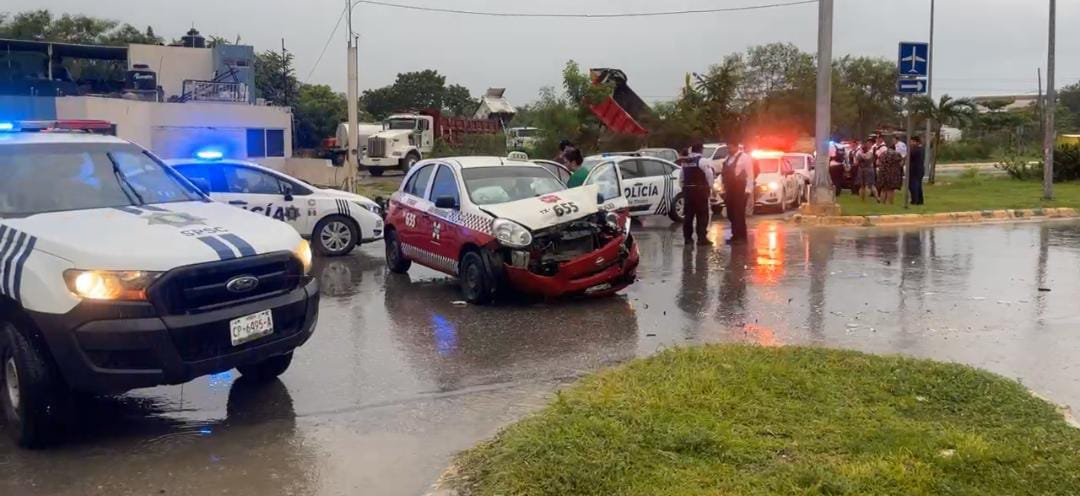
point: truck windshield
(527, 133)
(394, 124)
(494, 185)
(53, 178)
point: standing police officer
(697, 181)
(738, 177)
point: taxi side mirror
(447, 202)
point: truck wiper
(130, 190)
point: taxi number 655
(566, 209)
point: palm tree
(947, 112)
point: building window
(256, 143)
(275, 143)
(265, 143)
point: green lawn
(754, 421)
(968, 194)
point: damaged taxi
(499, 224)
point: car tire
(678, 209)
(376, 171)
(395, 257)
(335, 236)
(477, 282)
(267, 370)
(409, 161)
(30, 391)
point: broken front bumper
(601, 272)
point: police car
(650, 186)
(777, 185)
(116, 273)
(335, 221)
(495, 223)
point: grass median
(969, 193)
(756, 421)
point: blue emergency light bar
(209, 155)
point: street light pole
(823, 195)
(928, 157)
(1051, 104)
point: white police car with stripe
(650, 185)
(335, 221)
(116, 273)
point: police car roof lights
(209, 155)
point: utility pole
(928, 157)
(352, 160)
(1050, 133)
(823, 195)
(284, 74)
(906, 181)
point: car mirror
(201, 184)
(287, 191)
(446, 202)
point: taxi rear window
(52, 178)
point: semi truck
(408, 138)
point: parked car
(498, 224)
(803, 165)
(777, 185)
(336, 221)
(650, 186)
(120, 274)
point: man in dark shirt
(918, 171)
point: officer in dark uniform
(738, 176)
(697, 181)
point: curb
(939, 218)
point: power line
(583, 16)
(327, 45)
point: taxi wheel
(678, 209)
(395, 259)
(29, 390)
(477, 283)
(336, 236)
(267, 370)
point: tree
(866, 88)
(457, 101)
(418, 91)
(275, 78)
(318, 111)
(948, 111)
(42, 26)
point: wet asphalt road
(398, 377)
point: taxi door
(606, 177)
(446, 236)
(415, 217)
(265, 194)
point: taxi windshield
(494, 185)
(52, 178)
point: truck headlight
(110, 285)
(511, 233)
(303, 253)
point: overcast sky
(982, 47)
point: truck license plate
(251, 327)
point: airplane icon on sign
(915, 60)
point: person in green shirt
(573, 162)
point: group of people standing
(698, 176)
(879, 168)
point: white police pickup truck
(335, 221)
(116, 273)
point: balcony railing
(210, 91)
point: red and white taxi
(497, 223)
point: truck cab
(404, 141)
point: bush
(1020, 168)
(1067, 163)
(493, 145)
(963, 151)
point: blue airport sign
(912, 86)
(914, 60)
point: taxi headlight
(612, 220)
(303, 253)
(110, 285)
(511, 233)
